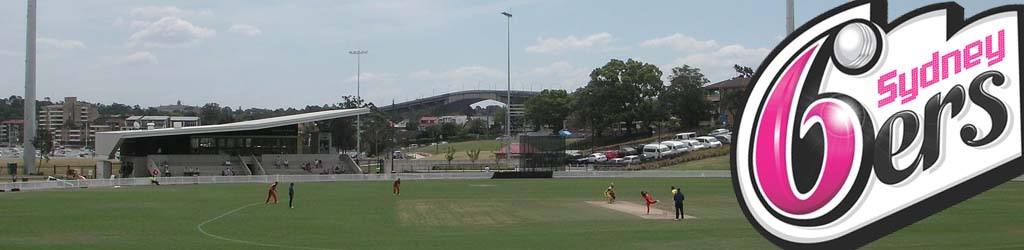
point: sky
(276, 54)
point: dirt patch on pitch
(454, 213)
(639, 210)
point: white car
(677, 147)
(631, 159)
(711, 142)
(719, 132)
(688, 144)
(684, 136)
(655, 151)
(617, 160)
(596, 157)
(696, 145)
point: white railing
(64, 184)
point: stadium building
(278, 145)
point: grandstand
(279, 145)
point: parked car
(617, 160)
(655, 151)
(711, 142)
(684, 136)
(718, 132)
(583, 160)
(724, 138)
(626, 151)
(612, 154)
(631, 159)
(597, 157)
(677, 147)
(696, 145)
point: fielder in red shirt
(396, 188)
(272, 193)
(649, 200)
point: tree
(588, 106)
(412, 125)
(450, 131)
(684, 98)
(476, 126)
(450, 155)
(626, 92)
(209, 113)
(115, 109)
(743, 71)
(378, 134)
(152, 111)
(734, 100)
(473, 155)
(549, 108)
(499, 120)
(343, 130)
(44, 143)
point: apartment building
(70, 122)
(10, 132)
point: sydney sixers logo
(856, 127)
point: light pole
(789, 17)
(508, 81)
(29, 152)
(359, 128)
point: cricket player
(272, 194)
(649, 200)
(291, 194)
(609, 194)
(396, 188)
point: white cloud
(134, 24)
(571, 43)
(246, 29)
(717, 64)
(164, 11)
(714, 60)
(60, 44)
(557, 75)
(170, 32)
(141, 57)
(680, 42)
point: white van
(677, 147)
(655, 151)
(684, 136)
(696, 145)
(711, 142)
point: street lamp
(508, 81)
(359, 128)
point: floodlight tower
(359, 128)
(508, 74)
(28, 154)
(789, 17)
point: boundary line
(199, 227)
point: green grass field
(713, 163)
(464, 214)
(486, 147)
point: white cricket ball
(855, 45)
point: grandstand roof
(108, 142)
